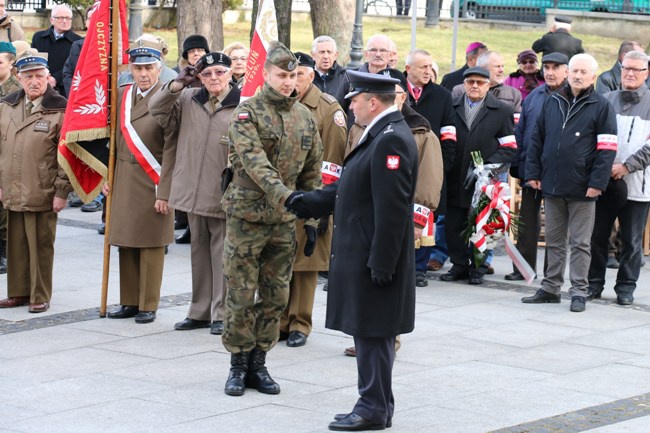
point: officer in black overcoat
(371, 278)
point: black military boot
(258, 376)
(3, 257)
(235, 385)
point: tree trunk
(283, 14)
(334, 18)
(203, 17)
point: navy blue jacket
(574, 144)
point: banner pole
(113, 73)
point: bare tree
(334, 18)
(203, 17)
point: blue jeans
(439, 250)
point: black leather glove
(297, 205)
(470, 179)
(380, 279)
(186, 76)
(311, 241)
(323, 224)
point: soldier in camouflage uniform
(274, 149)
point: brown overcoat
(331, 123)
(10, 30)
(134, 221)
(30, 175)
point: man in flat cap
(201, 117)
(33, 187)
(142, 222)
(485, 124)
(371, 280)
(295, 324)
(559, 39)
(275, 148)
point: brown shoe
(16, 301)
(351, 351)
(39, 308)
(434, 265)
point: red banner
(266, 31)
(86, 115)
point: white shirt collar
(384, 113)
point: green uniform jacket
(274, 149)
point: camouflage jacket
(274, 149)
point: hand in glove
(323, 224)
(311, 241)
(380, 279)
(186, 76)
(297, 205)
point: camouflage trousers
(258, 261)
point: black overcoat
(373, 229)
(492, 133)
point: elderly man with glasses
(201, 117)
(57, 41)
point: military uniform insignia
(42, 126)
(392, 162)
(339, 118)
(209, 59)
(292, 65)
(244, 115)
(389, 129)
(306, 143)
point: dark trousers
(375, 357)
(608, 206)
(460, 255)
(531, 224)
(402, 6)
(422, 255)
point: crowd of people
(360, 173)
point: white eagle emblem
(392, 162)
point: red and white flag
(86, 115)
(266, 31)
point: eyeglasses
(242, 59)
(528, 62)
(473, 83)
(634, 70)
(378, 50)
(63, 18)
(217, 72)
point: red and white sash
(142, 154)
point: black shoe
(93, 206)
(514, 276)
(216, 328)
(235, 385)
(612, 263)
(323, 274)
(452, 275)
(490, 270)
(3, 265)
(145, 317)
(296, 339)
(577, 304)
(124, 312)
(102, 229)
(166, 249)
(340, 416)
(475, 278)
(185, 238)
(421, 279)
(76, 202)
(283, 336)
(542, 297)
(354, 422)
(189, 324)
(624, 299)
(258, 376)
(325, 286)
(593, 293)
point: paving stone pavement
(478, 361)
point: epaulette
(329, 98)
